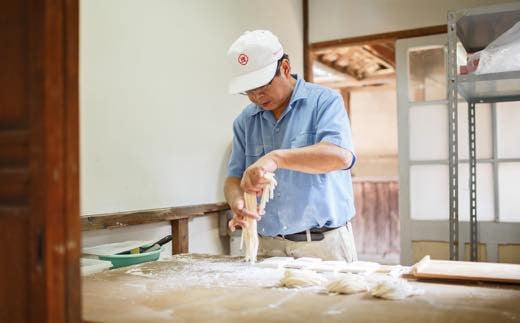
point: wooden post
(180, 236)
(307, 60)
(345, 93)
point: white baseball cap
(254, 57)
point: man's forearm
(232, 189)
(316, 159)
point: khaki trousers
(338, 244)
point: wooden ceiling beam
(382, 52)
(370, 81)
(378, 38)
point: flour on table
(301, 278)
(348, 284)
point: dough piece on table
(360, 267)
(394, 289)
(395, 270)
(348, 284)
(309, 259)
(303, 263)
(275, 262)
(301, 278)
(328, 266)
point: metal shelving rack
(475, 29)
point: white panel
(509, 198)
(428, 132)
(485, 192)
(484, 139)
(508, 131)
(429, 192)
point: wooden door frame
(39, 168)
(53, 73)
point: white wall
(155, 114)
(337, 19)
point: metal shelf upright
(475, 29)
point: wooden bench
(178, 217)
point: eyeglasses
(258, 90)
(264, 88)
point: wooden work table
(200, 288)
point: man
(299, 131)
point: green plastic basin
(132, 259)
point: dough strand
(250, 233)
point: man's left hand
(253, 180)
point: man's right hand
(235, 222)
(235, 198)
(240, 214)
(238, 207)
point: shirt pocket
(303, 140)
(253, 153)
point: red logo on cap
(242, 59)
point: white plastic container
(92, 266)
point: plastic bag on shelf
(472, 63)
(502, 54)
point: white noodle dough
(394, 289)
(249, 233)
(301, 278)
(348, 284)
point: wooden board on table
(468, 271)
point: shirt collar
(299, 93)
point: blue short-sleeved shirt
(302, 201)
